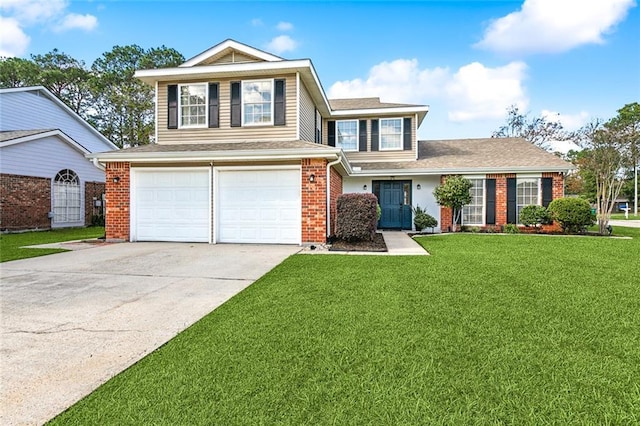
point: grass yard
(621, 216)
(490, 329)
(11, 244)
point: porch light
(116, 179)
(418, 187)
(364, 187)
(312, 178)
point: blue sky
(570, 60)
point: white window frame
(67, 197)
(339, 143)
(400, 145)
(243, 101)
(483, 204)
(521, 179)
(206, 106)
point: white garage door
(259, 206)
(171, 205)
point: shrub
(422, 219)
(534, 216)
(573, 214)
(454, 194)
(511, 228)
(357, 217)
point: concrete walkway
(627, 223)
(399, 243)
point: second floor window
(193, 105)
(390, 134)
(347, 135)
(257, 102)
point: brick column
(314, 201)
(118, 201)
(336, 191)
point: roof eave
(458, 170)
(421, 110)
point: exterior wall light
(364, 187)
(312, 178)
(418, 187)
(116, 179)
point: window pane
(347, 135)
(193, 100)
(472, 213)
(526, 194)
(391, 133)
(256, 101)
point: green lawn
(489, 329)
(10, 244)
(620, 216)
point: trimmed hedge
(573, 214)
(357, 217)
(535, 216)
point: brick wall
(336, 191)
(117, 199)
(25, 202)
(92, 190)
(501, 196)
(314, 201)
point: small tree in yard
(573, 214)
(535, 216)
(357, 217)
(454, 194)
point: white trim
(420, 111)
(242, 101)
(298, 108)
(62, 105)
(401, 134)
(230, 44)
(206, 106)
(357, 135)
(59, 133)
(133, 172)
(156, 113)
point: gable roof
(485, 155)
(363, 103)
(224, 48)
(41, 90)
(373, 106)
(13, 137)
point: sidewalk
(399, 243)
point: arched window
(66, 197)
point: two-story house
(250, 150)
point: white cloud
(284, 26)
(13, 41)
(75, 21)
(282, 44)
(473, 92)
(29, 12)
(569, 121)
(256, 22)
(554, 25)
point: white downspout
(329, 192)
(97, 164)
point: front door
(394, 197)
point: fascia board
(252, 51)
(75, 145)
(454, 171)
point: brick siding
(314, 201)
(25, 202)
(336, 191)
(117, 201)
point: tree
(627, 125)
(18, 72)
(608, 158)
(123, 107)
(454, 193)
(536, 130)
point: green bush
(357, 217)
(511, 228)
(534, 216)
(422, 219)
(573, 214)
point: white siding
(307, 115)
(30, 110)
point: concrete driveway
(71, 321)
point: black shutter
(279, 103)
(511, 200)
(406, 128)
(375, 135)
(172, 114)
(363, 136)
(547, 191)
(214, 105)
(236, 104)
(331, 136)
(490, 203)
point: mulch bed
(377, 245)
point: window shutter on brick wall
(547, 191)
(375, 135)
(331, 135)
(236, 104)
(490, 217)
(172, 104)
(214, 105)
(406, 128)
(279, 103)
(511, 200)
(362, 146)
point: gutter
(329, 165)
(97, 164)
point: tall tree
(123, 108)
(537, 130)
(627, 126)
(18, 72)
(65, 77)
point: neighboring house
(250, 150)
(45, 179)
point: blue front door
(394, 198)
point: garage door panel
(259, 206)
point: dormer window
(257, 102)
(193, 105)
(390, 134)
(347, 135)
